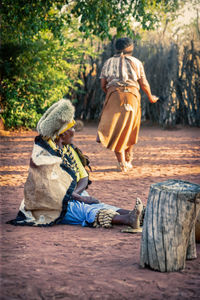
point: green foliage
(42, 50)
(37, 70)
(98, 17)
(41, 74)
(22, 19)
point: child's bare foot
(135, 214)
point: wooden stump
(168, 235)
(197, 229)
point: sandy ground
(71, 262)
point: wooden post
(168, 235)
(197, 229)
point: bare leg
(132, 218)
(129, 157)
(120, 156)
(121, 220)
(98, 139)
(129, 153)
(122, 211)
(121, 160)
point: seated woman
(55, 190)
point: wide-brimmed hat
(58, 118)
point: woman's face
(66, 138)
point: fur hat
(56, 118)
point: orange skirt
(120, 119)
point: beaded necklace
(66, 154)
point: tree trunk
(168, 236)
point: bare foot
(121, 167)
(129, 165)
(135, 214)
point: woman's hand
(146, 88)
(153, 99)
(85, 199)
(89, 200)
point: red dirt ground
(71, 262)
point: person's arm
(103, 84)
(81, 185)
(85, 199)
(145, 86)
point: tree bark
(197, 229)
(168, 236)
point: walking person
(122, 76)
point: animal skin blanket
(48, 188)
